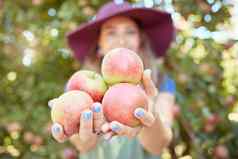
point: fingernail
(148, 72)
(139, 112)
(56, 128)
(87, 115)
(97, 107)
(115, 127)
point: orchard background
(35, 63)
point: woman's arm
(83, 146)
(156, 132)
(159, 135)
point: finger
(146, 118)
(98, 117)
(86, 125)
(58, 132)
(105, 127)
(148, 84)
(124, 130)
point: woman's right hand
(90, 126)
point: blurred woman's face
(117, 32)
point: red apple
(122, 65)
(66, 110)
(221, 152)
(88, 81)
(213, 119)
(208, 128)
(29, 137)
(120, 102)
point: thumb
(58, 132)
(148, 83)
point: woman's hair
(93, 59)
(148, 57)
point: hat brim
(157, 25)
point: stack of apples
(117, 88)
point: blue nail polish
(139, 112)
(87, 115)
(115, 127)
(56, 129)
(97, 108)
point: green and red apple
(66, 110)
(88, 81)
(122, 65)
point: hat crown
(112, 8)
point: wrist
(83, 146)
(86, 147)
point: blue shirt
(168, 85)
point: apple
(66, 110)
(120, 102)
(88, 81)
(122, 65)
(221, 152)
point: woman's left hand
(146, 118)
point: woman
(148, 32)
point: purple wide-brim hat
(157, 25)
